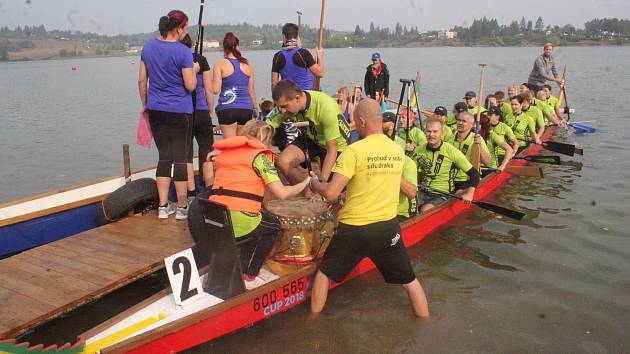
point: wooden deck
(47, 281)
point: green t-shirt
(408, 206)
(504, 131)
(446, 132)
(434, 166)
(465, 146)
(521, 125)
(537, 116)
(546, 110)
(553, 102)
(244, 222)
(400, 141)
(506, 108)
(451, 122)
(494, 143)
(326, 120)
(416, 135)
(474, 109)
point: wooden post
(320, 39)
(126, 163)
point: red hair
(230, 42)
(174, 19)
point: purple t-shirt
(164, 62)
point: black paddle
(513, 214)
(561, 148)
(554, 160)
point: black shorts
(314, 150)
(380, 241)
(202, 132)
(235, 115)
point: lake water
(555, 282)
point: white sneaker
(164, 212)
(267, 275)
(256, 282)
(182, 213)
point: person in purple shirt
(166, 80)
(295, 63)
(202, 122)
(233, 80)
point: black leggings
(171, 132)
(202, 132)
(254, 253)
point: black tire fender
(115, 206)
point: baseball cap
(441, 110)
(376, 55)
(460, 107)
(470, 94)
(389, 117)
(495, 110)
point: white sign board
(184, 277)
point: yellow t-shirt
(374, 166)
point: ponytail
(230, 42)
(174, 19)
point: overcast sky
(135, 16)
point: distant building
(211, 43)
(447, 35)
(257, 42)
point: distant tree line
(481, 31)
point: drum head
(300, 213)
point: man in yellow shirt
(371, 168)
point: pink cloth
(143, 133)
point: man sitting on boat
(247, 157)
(471, 100)
(407, 201)
(463, 140)
(326, 136)
(415, 137)
(372, 170)
(435, 160)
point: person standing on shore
(234, 82)
(544, 70)
(166, 80)
(295, 63)
(376, 78)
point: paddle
(475, 152)
(320, 39)
(526, 171)
(553, 160)
(582, 128)
(513, 214)
(416, 98)
(562, 148)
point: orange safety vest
(236, 184)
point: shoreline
(417, 44)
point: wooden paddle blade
(554, 160)
(475, 155)
(527, 171)
(579, 151)
(561, 148)
(513, 214)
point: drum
(306, 231)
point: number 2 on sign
(184, 277)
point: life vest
(236, 184)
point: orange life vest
(236, 184)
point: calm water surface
(555, 282)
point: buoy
(74, 67)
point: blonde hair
(259, 130)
